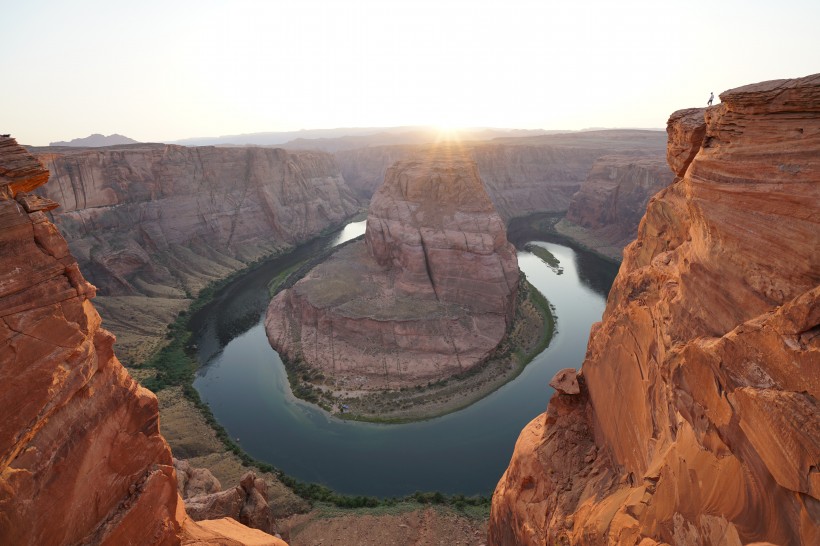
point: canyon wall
(604, 214)
(429, 293)
(81, 455)
(698, 419)
(153, 224)
(522, 175)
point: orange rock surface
(428, 294)
(698, 420)
(81, 455)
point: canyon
(697, 417)
(82, 459)
(429, 293)
(151, 224)
(522, 175)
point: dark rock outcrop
(698, 420)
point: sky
(172, 69)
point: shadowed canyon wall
(698, 419)
(81, 455)
(604, 214)
(152, 224)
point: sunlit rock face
(698, 419)
(81, 456)
(82, 460)
(429, 293)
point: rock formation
(429, 293)
(204, 498)
(698, 419)
(81, 456)
(152, 224)
(611, 202)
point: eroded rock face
(82, 460)
(521, 175)
(429, 293)
(702, 422)
(157, 201)
(612, 200)
(151, 224)
(205, 499)
(81, 456)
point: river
(244, 382)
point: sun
(448, 133)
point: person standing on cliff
(711, 98)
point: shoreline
(226, 457)
(519, 347)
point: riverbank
(553, 227)
(530, 333)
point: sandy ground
(427, 526)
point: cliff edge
(698, 419)
(82, 459)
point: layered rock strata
(697, 420)
(522, 175)
(429, 293)
(612, 200)
(153, 224)
(81, 456)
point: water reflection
(245, 384)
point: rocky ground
(400, 526)
(193, 439)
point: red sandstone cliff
(81, 456)
(698, 420)
(429, 293)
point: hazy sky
(163, 70)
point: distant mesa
(96, 140)
(428, 294)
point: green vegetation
(175, 365)
(530, 333)
(546, 256)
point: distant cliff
(698, 420)
(82, 460)
(161, 221)
(604, 214)
(522, 175)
